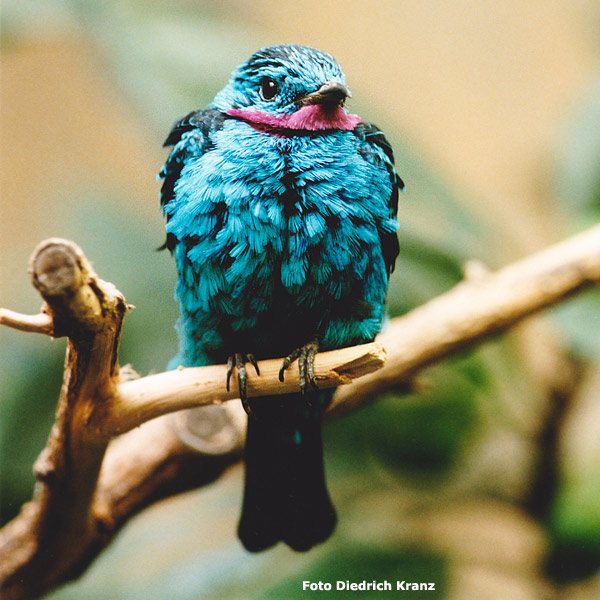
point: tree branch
(140, 400)
(87, 488)
(41, 547)
(482, 305)
(40, 323)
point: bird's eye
(268, 89)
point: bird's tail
(285, 496)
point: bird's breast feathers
(259, 213)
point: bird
(280, 210)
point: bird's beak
(329, 93)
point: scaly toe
(239, 361)
(287, 361)
(306, 364)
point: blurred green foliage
(574, 521)
(164, 62)
(32, 375)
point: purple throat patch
(308, 118)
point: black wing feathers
(196, 128)
(190, 136)
(373, 136)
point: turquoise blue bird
(281, 215)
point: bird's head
(288, 87)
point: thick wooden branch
(43, 546)
(87, 488)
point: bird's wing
(190, 137)
(376, 148)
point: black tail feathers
(285, 495)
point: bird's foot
(239, 361)
(306, 360)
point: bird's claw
(239, 361)
(306, 364)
